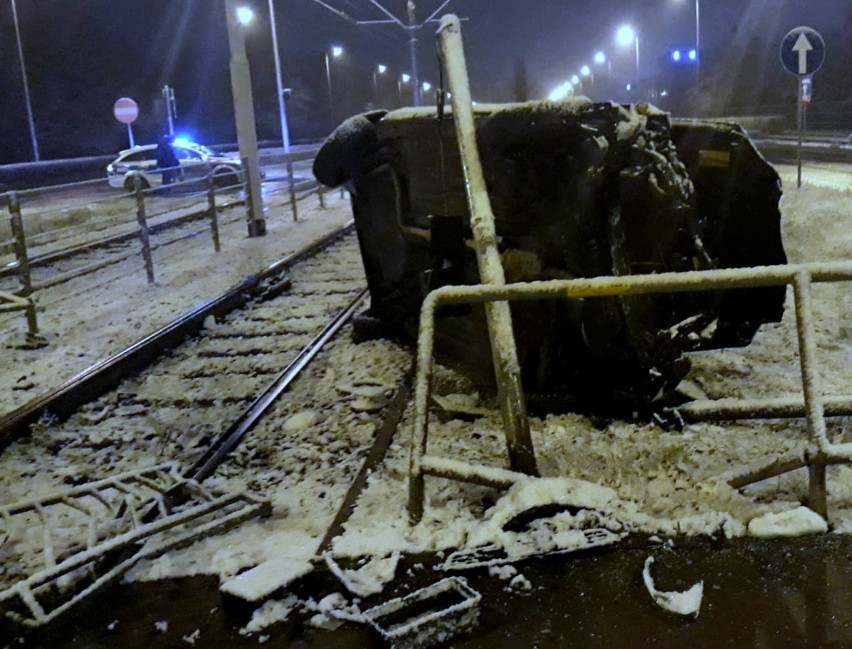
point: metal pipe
(801, 275)
(503, 347)
(21, 255)
(774, 408)
(412, 51)
(27, 99)
(141, 220)
(282, 108)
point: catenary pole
(27, 100)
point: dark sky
(83, 55)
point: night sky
(81, 56)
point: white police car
(196, 162)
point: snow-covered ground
(635, 477)
(95, 316)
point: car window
(186, 154)
(138, 156)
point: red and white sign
(125, 110)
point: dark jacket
(166, 154)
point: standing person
(167, 160)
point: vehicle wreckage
(578, 189)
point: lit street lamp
(586, 71)
(600, 59)
(561, 92)
(336, 51)
(245, 16)
(380, 69)
(626, 36)
(26, 85)
(405, 78)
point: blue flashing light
(182, 140)
(693, 55)
(676, 55)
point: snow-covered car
(196, 161)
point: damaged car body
(578, 189)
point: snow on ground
(655, 481)
(83, 326)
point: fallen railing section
(817, 451)
(119, 521)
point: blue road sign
(802, 51)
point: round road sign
(125, 110)
(802, 51)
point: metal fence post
(24, 275)
(143, 228)
(321, 195)
(211, 208)
(291, 182)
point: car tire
(130, 185)
(226, 176)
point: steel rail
(225, 443)
(89, 384)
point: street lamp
(244, 117)
(561, 91)
(282, 108)
(404, 78)
(586, 71)
(26, 85)
(245, 15)
(625, 36)
(380, 69)
(600, 59)
(336, 51)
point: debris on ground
(428, 616)
(793, 522)
(687, 602)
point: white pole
(244, 115)
(26, 85)
(130, 136)
(282, 108)
(697, 43)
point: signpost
(126, 111)
(802, 54)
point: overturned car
(578, 189)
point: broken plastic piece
(495, 555)
(687, 602)
(427, 616)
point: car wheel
(130, 185)
(226, 177)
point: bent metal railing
(815, 454)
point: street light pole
(26, 85)
(244, 116)
(697, 42)
(282, 108)
(412, 46)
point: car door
(191, 163)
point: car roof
(151, 147)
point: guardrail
(48, 224)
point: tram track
(327, 435)
(62, 402)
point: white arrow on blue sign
(802, 51)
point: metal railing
(815, 454)
(48, 224)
